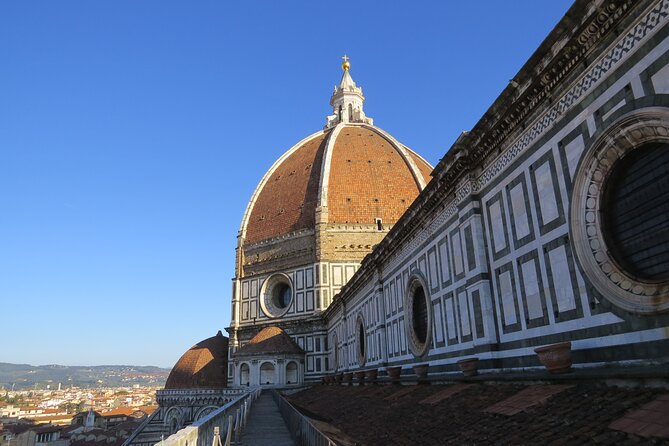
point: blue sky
(133, 133)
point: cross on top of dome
(347, 100)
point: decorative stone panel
(613, 281)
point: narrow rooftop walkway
(265, 425)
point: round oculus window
(635, 209)
(277, 295)
(419, 328)
(620, 200)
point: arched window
(350, 113)
(266, 373)
(244, 375)
(291, 373)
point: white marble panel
(573, 150)
(520, 219)
(531, 285)
(464, 314)
(564, 292)
(497, 226)
(661, 80)
(458, 261)
(547, 201)
(438, 323)
(508, 304)
(450, 317)
(432, 262)
(445, 269)
(337, 278)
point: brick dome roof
(203, 366)
(356, 171)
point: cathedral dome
(352, 172)
(203, 366)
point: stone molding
(619, 286)
(417, 279)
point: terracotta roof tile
(288, 200)
(203, 366)
(270, 340)
(368, 179)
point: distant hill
(25, 376)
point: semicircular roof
(203, 366)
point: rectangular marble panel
(310, 300)
(433, 274)
(309, 277)
(564, 292)
(254, 288)
(660, 80)
(458, 261)
(393, 297)
(573, 152)
(399, 284)
(531, 284)
(519, 208)
(391, 339)
(299, 300)
(497, 226)
(546, 193)
(444, 261)
(438, 322)
(450, 318)
(299, 279)
(337, 276)
(507, 298)
(463, 311)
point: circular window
(277, 295)
(419, 316)
(619, 204)
(635, 210)
(362, 357)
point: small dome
(270, 340)
(203, 366)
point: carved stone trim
(417, 280)
(266, 291)
(621, 287)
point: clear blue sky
(133, 133)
